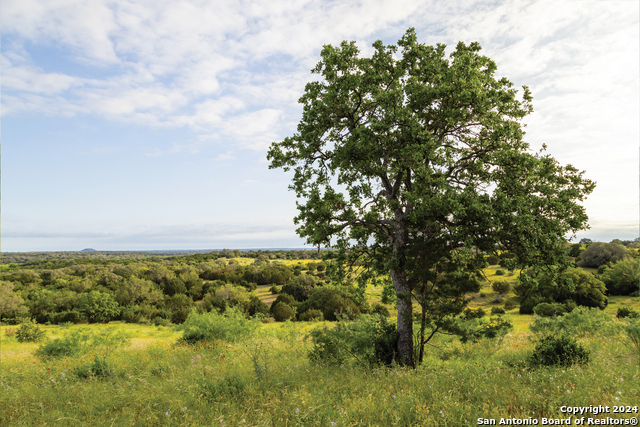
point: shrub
(473, 314)
(499, 272)
(582, 321)
(501, 286)
(283, 311)
(29, 331)
(545, 309)
(368, 341)
(558, 350)
(380, 310)
(509, 305)
(82, 340)
(497, 310)
(598, 254)
(256, 306)
(98, 307)
(497, 299)
(230, 326)
(159, 321)
(311, 315)
(493, 260)
(284, 298)
(623, 278)
(626, 312)
(274, 290)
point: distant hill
(88, 250)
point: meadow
(266, 379)
(260, 374)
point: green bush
(582, 321)
(229, 326)
(159, 321)
(29, 331)
(473, 314)
(274, 290)
(370, 340)
(380, 309)
(501, 286)
(627, 312)
(311, 315)
(558, 350)
(493, 260)
(545, 309)
(283, 298)
(499, 272)
(98, 307)
(509, 305)
(83, 340)
(497, 310)
(283, 311)
(623, 278)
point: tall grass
(216, 382)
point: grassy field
(154, 381)
(267, 379)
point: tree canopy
(411, 163)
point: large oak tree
(410, 164)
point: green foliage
(501, 286)
(497, 310)
(509, 305)
(283, 311)
(599, 253)
(83, 340)
(572, 287)
(623, 278)
(102, 367)
(581, 322)
(493, 260)
(180, 306)
(11, 304)
(333, 301)
(477, 329)
(311, 315)
(229, 326)
(499, 272)
(29, 331)
(473, 314)
(258, 353)
(545, 309)
(368, 341)
(413, 138)
(558, 350)
(98, 307)
(380, 310)
(633, 334)
(229, 385)
(388, 293)
(575, 250)
(624, 312)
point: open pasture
(267, 380)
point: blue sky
(140, 125)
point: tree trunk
(405, 318)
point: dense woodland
(146, 287)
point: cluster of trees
(550, 294)
(64, 259)
(149, 290)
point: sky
(144, 125)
